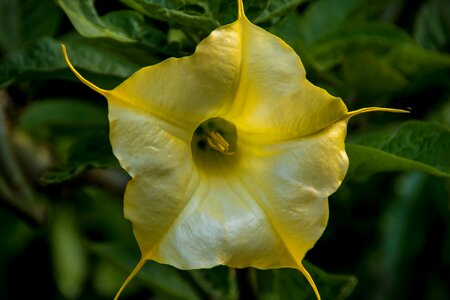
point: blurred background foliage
(63, 234)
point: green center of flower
(214, 136)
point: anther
(217, 142)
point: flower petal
(161, 168)
(188, 90)
(263, 206)
(240, 72)
(266, 212)
(222, 225)
(183, 216)
(274, 99)
(293, 181)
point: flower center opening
(217, 142)
(214, 138)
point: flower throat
(215, 136)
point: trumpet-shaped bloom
(232, 153)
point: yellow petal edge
(265, 203)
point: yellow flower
(232, 153)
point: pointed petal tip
(133, 273)
(241, 12)
(371, 109)
(310, 280)
(78, 75)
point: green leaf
(93, 150)
(176, 12)
(219, 283)
(287, 284)
(166, 281)
(330, 47)
(16, 236)
(45, 115)
(206, 15)
(100, 211)
(58, 121)
(378, 38)
(124, 26)
(39, 56)
(414, 145)
(415, 222)
(387, 10)
(404, 230)
(368, 77)
(69, 255)
(43, 59)
(25, 20)
(106, 58)
(107, 277)
(323, 17)
(55, 119)
(412, 60)
(432, 27)
(273, 10)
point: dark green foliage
(413, 145)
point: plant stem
(18, 193)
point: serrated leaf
(415, 145)
(163, 279)
(124, 26)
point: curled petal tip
(370, 109)
(309, 279)
(78, 75)
(131, 276)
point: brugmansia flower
(232, 153)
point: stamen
(217, 142)
(214, 134)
